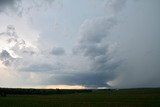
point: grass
(99, 98)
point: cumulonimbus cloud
(92, 45)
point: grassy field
(97, 98)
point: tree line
(21, 91)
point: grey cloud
(19, 46)
(12, 40)
(115, 6)
(28, 52)
(10, 31)
(38, 68)
(20, 7)
(6, 58)
(91, 44)
(12, 37)
(58, 51)
(93, 50)
(40, 3)
(93, 31)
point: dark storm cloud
(6, 58)
(94, 78)
(58, 51)
(89, 79)
(93, 46)
(8, 4)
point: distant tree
(58, 91)
(3, 94)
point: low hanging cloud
(94, 78)
(88, 79)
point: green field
(96, 98)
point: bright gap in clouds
(56, 86)
(79, 44)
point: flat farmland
(94, 98)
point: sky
(79, 43)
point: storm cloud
(103, 43)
